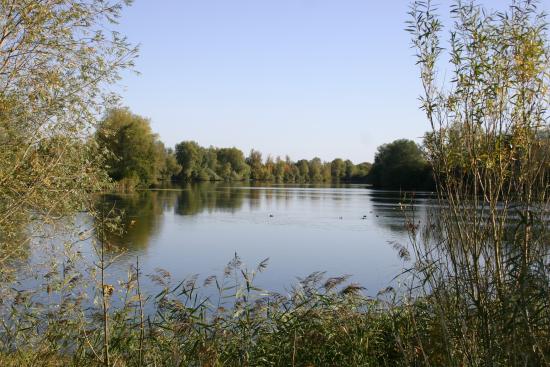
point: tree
(207, 164)
(350, 170)
(325, 172)
(56, 58)
(315, 170)
(291, 171)
(489, 239)
(338, 169)
(210, 158)
(171, 167)
(400, 165)
(362, 170)
(237, 165)
(254, 160)
(137, 156)
(280, 168)
(269, 169)
(190, 157)
(303, 170)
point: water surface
(197, 229)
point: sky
(304, 78)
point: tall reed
(483, 264)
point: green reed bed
(320, 322)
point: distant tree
(137, 156)
(338, 169)
(361, 171)
(226, 171)
(315, 170)
(171, 167)
(207, 164)
(238, 169)
(280, 167)
(190, 156)
(291, 170)
(326, 172)
(303, 170)
(269, 169)
(255, 163)
(210, 160)
(400, 165)
(350, 170)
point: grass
(320, 322)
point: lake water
(197, 229)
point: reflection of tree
(140, 216)
(254, 198)
(268, 193)
(288, 196)
(195, 198)
(390, 209)
(167, 199)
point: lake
(197, 229)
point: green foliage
(190, 156)
(235, 167)
(400, 165)
(254, 161)
(55, 60)
(361, 171)
(205, 164)
(171, 166)
(303, 169)
(483, 259)
(137, 157)
(212, 164)
(338, 168)
(322, 321)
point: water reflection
(140, 217)
(390, 208)
(195, 198)
(143, 211)
(196, 228)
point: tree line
(214, 164)
(137, 157)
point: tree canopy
(400, 165)
(56, 59)
(136, 155)
(212, 164)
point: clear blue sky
(327, 78)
